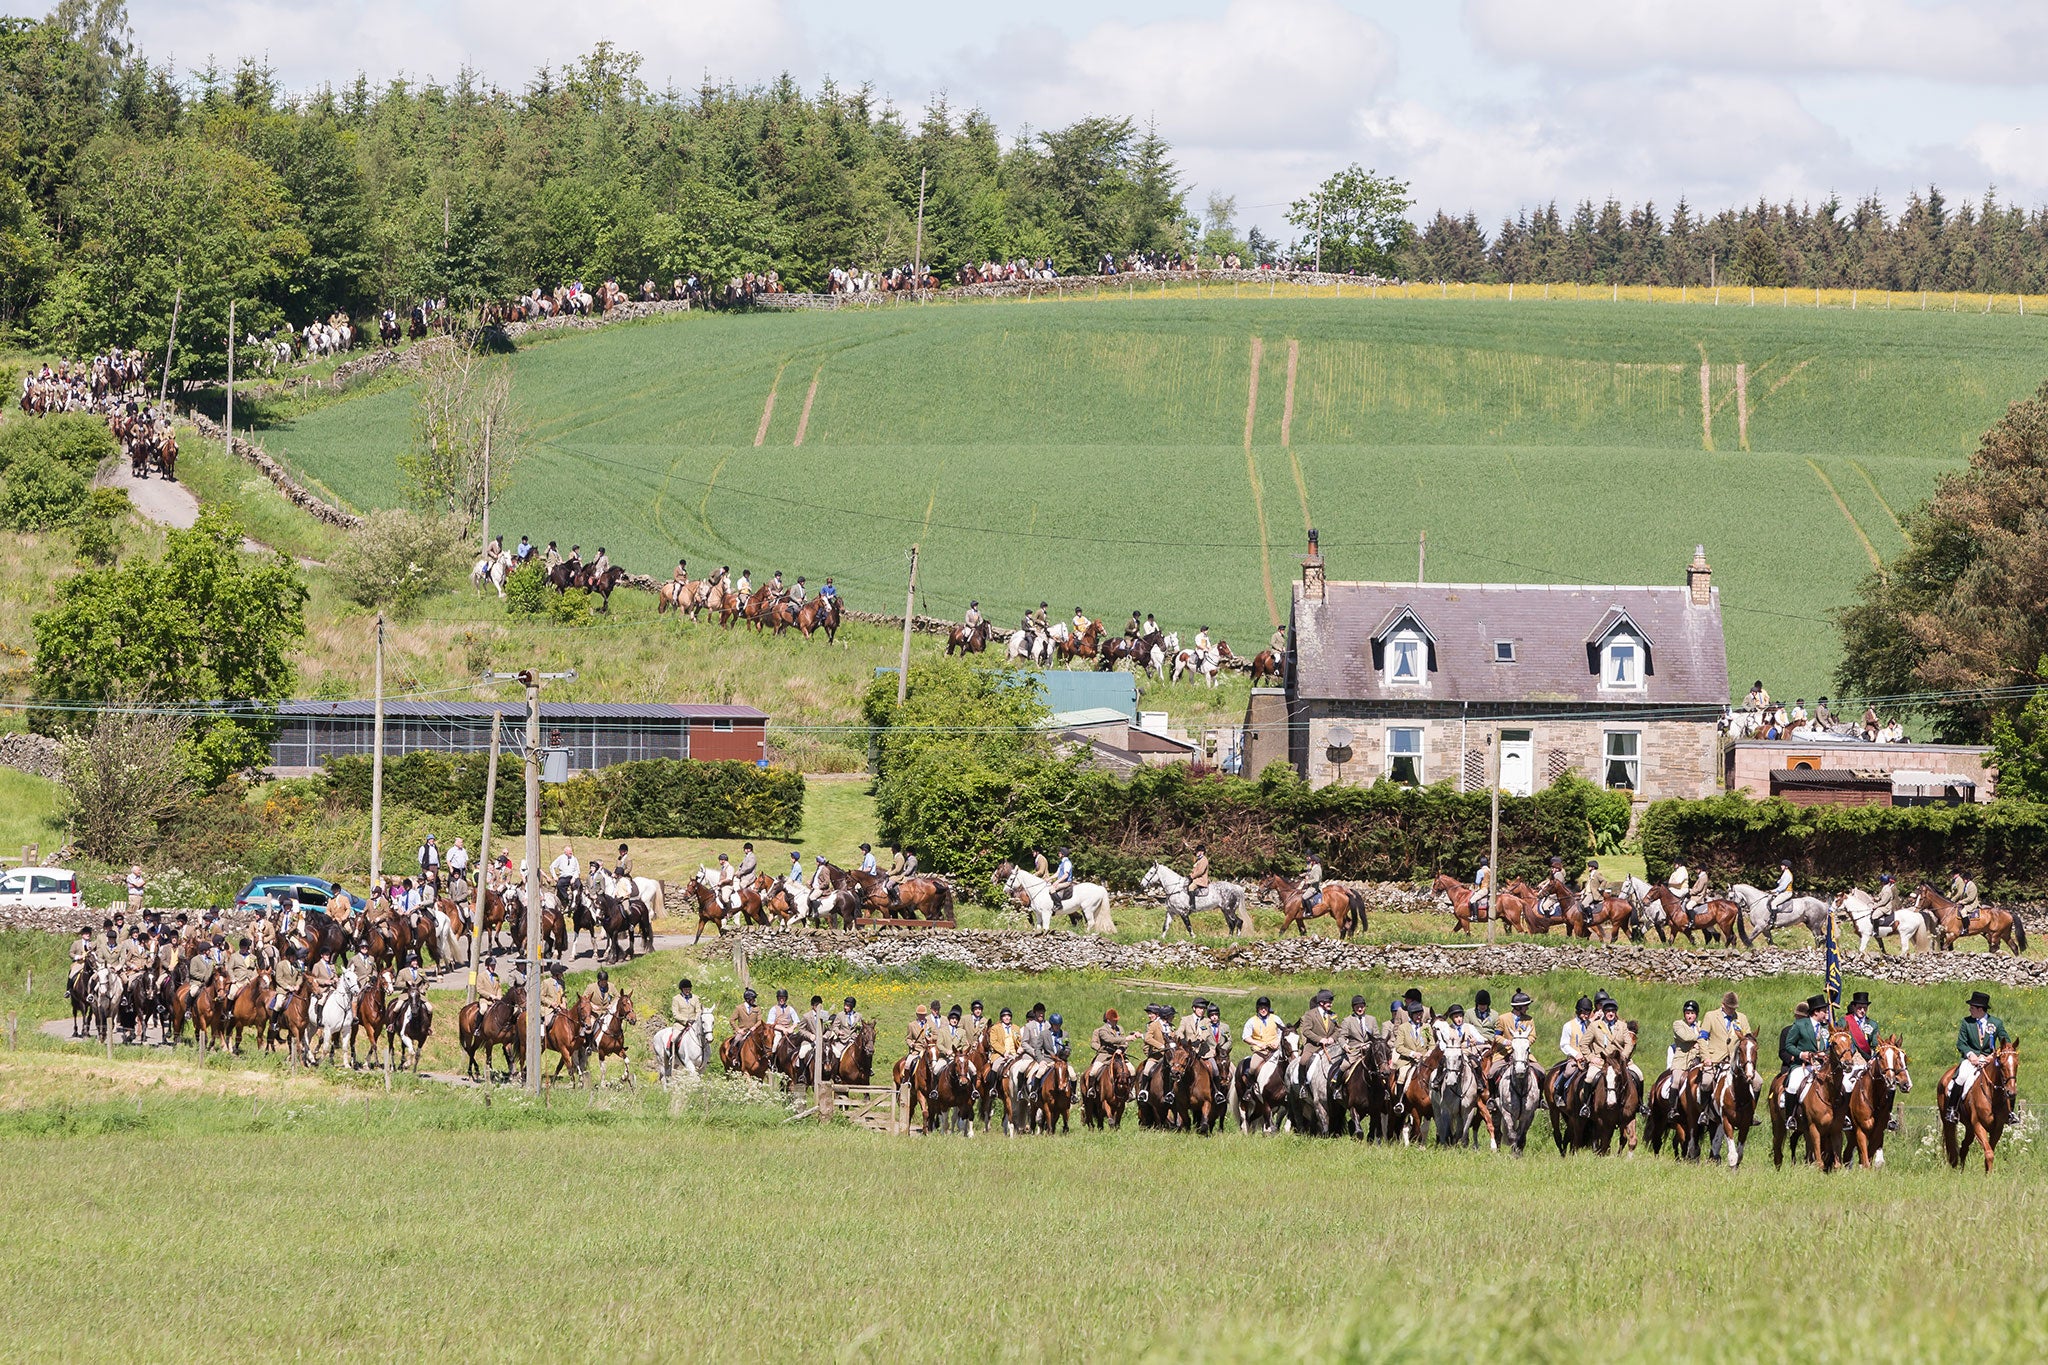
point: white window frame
(1504, 652)
(1632, 761)
(1632, 679)
(723, 726)
(1397, 647)
(1414, 755)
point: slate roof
(1553, 628)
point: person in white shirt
(793, 883)
(458, 859)
(563, 869)
(1482, 886)
(867, 860)
(1679, 880)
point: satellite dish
(1340, 737)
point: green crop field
(1113, 454)
(352, 1223)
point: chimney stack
(1312, 570)
(1699, 578)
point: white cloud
(1978, 41)
(507, 40)
(1265, 73)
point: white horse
(1909, 924)
(1030, 646)
(489, 568)
(1089, 898)
(646, 890)
(1809, 911)
(1454, 1097)
(678, 1047)
(1162, 881)
(332, 1015)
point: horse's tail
(2019, 930)
(945, 897)
(1742, 927)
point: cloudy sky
(1489, 104)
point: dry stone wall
(37, 754)
(1013, 951)
(1128, 283)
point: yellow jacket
(1002, 1040)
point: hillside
(1125, 455)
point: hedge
(962, 818)
(650, 799)
(2004, 845)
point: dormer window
(1622, 662)
(1503, 651)
(1406, 659)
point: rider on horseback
(1108, 1041)
(1411, 1044)
(1062, 884)
(1454, 1035)
(1963, 891)
(1311, 884)
(1980, 1036)
(1156, 1038)
(1576, 1043)
(1318, 1029)
(1682, 1054)
(1781, 894)
(1799, 1047)
(1863, 1035)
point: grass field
(358, 1224)
(1112, 454)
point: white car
(40, 888)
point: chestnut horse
(1105, 1092)
(1735, 1091)
(1997, 925)
(1533, 919)
(1196, 1105)
(1819, 1122)
(746, 1052)
(1055, 1097)
(496, 1027)
(1870, 1103)
(1343, 905)
(1986, 1110)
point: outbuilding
(588, 735)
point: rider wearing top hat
(1980, 1035)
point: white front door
(1517, 763)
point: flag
(1832, 979)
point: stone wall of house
(1677, 758)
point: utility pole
(909, 606)
(532, 680)
(917, 253)
(1319, 232)
(177, 299)
(1421, 552)
(377, 771)
(230, 442)
(1493, 882)
(483, 854)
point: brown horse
(294, 1021)
(1343, 905)
(855, 1064)
(1265, 1105)
(924, 898)
(496, 1027)
(948, 1089)
(564, 1037)
(1735, 1093)
(710, 909)
(1999, 926)
(372, 1016)
(1677, 1106)
(1534, 919)
(1197, 1106)
(1609, 920)
(1105, 1092)
(820, 613)
(1460, 896)
(554, 931)
(1986, 1111)
(1870, 1102)
(1079, 646)
(968, 639)
(1819, 1122)
(1055, 1097)
(1266, 668)
(747, 1052)
(610, 1039)
(248, 1009)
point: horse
(1055, 1097)
(1457, 1098)
(1987, 1109)
(1676, 1107)
(294, 1017)
(334, 1013)
(409, 1025)
(948, 1090)
(854, 1062)
(1105, 1091)
(1906, 921)
(1459, 896)
(1196, 1104)
(1608, 920)
(627, 906)
(80, 991)
(563, 1036)
(1088, 900)
(925, 897)
(1070, 645)
(1820, 1108)
(489, 569)
(1517, 1093)
(1734, 1091)
(1616, 1097)
(1534, 918)
(1345, 907)
(1365, 1091)
(106, 1000)
(609, 1038)
(1267, 669)
(710, 909)
(1204, 664)
(554, 930)
(820, 614)
(249, 1008)
(486, 1028)
(1764, 919)
(746, 1053)
(965, 639)
(1161, 880)
(1262, 1089)
(1870, 1100)
(373, 1016)
(1998, 926)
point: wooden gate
(870, 1106)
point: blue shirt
(828, 591)
(1066, 870)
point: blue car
(313, 893)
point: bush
(526, 590)
(651, 799)
(97, 529)
(396, 558)
(2004, 844)
(570, 608)
(41, 494)
(77, 440)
